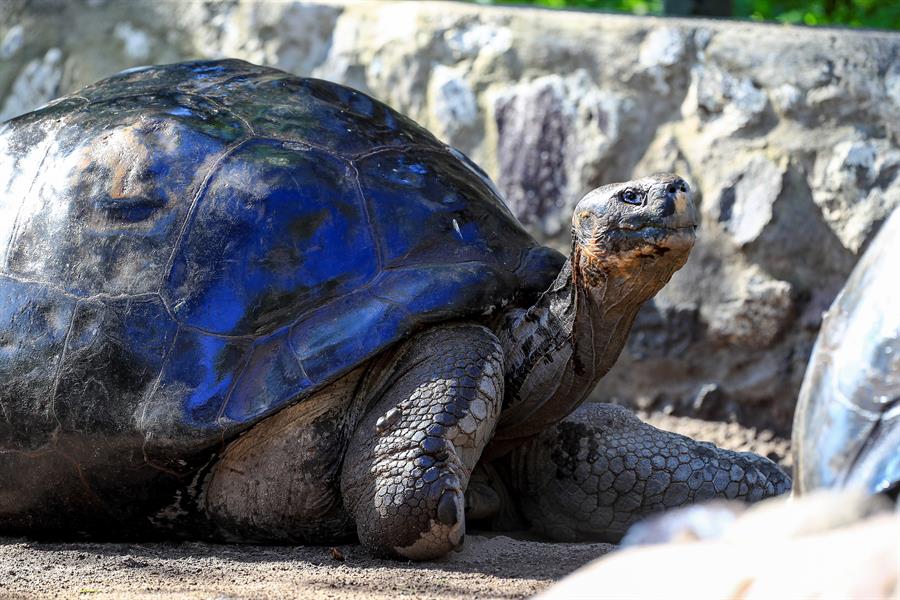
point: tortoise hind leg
(409, 460)
(280, 481)
(592, 475)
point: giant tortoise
(241, 305)
(847, 424)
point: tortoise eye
(631, 197)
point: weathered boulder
(856, 187)
(788, 136)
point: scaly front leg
(409, 461)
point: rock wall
(788, 136)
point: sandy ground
(497, 567)
(487, 567)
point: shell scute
(847, 423)
(104, 203)
(456, 217)
(114, 351)
(325, 114)
(34, 324)
(275, 233)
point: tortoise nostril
(670, 202)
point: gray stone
(136, 44)
(474, 39)
(660, 50)
(786, 99)
(755, 316)
(708, 400)
(856, 187)
(745, 203)
(661, 330)
(12, 41)
(727, 104)
(892, 84)
(662, 47)
(452, 103)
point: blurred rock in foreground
(822, 546)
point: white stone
(726, 103)
(478, 39)
(12, 41)
(662, 47)
(786, 98)
(452, 102)
(745, 205)
(856, 187)
(892, 83)
(135, 41)
(36, 84)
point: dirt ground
(487, 567)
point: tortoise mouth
(623, 238)
(653, 229)
(624, 246)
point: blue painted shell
(186, 249)
(847, 424)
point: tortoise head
(639, 232)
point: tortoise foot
(410, 458)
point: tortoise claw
(449, 509)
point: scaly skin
(623, 253)
(594, 474)
(409, 460)
(280, 481)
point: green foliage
(637, 7)
(881, 14)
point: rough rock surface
(789, 136)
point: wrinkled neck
(559, 348)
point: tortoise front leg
(409, 460)
(594, 474)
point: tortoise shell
(847, 424)
(186, 249)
